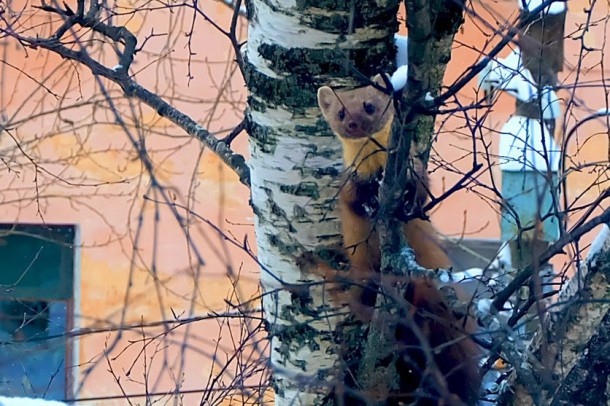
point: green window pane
(36, 262)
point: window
(37, 300)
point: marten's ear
(326, 98)
(379, 81)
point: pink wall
(102, 187)
(104, 183)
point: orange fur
(362, 119)
(364, 132)
(449, 345)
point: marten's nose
(352, 125)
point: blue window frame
(37, 297)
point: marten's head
(357, 113)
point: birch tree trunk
(293, 48)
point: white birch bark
(295, 165)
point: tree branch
(571, 236)
(513, 31)
(432, 26)
(130, 87)
(579, 320)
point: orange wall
(107, 200)
(478, 217)
(103, 193)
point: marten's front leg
(423, 239)
(361, 244)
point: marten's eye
(341, 114)
(369, 108)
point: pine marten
(362, 119)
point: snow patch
(484, 306)
(604, 111)
(6, 401)
(402, 50)
(468, 274)
(526, 145)
(399, 78)
(600, 243)
(556, 7)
